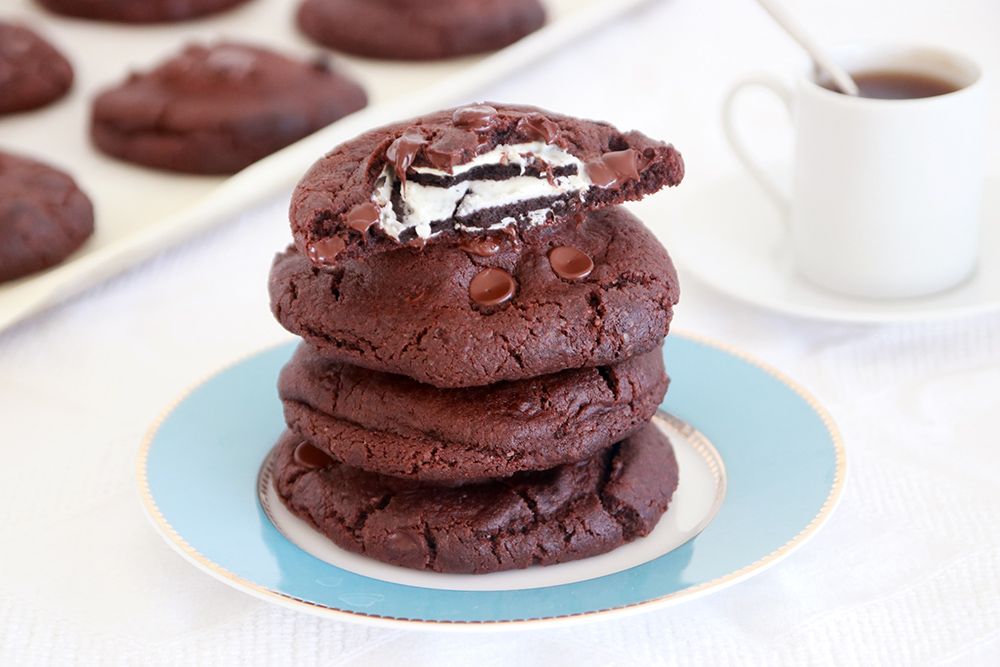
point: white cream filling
(424, 204)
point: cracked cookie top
(32, 72)
(392, 425)
(138, 11)
(44, 216)
(418, 29)
(469, 172)
(592, 292)
(214, 109)
(536, 518)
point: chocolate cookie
(138, 11)
(216, 109)
(419, 29)
(467, 172)
(43, 216)
(540, 518)
(566, 296)
(32, 72)
(393, 425)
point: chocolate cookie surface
(541, 518)
(138, 11)
(419, 29)
(216, 109)
(467, 172)
(457, 318)
(32, 72)
(43, 216)
(393, 425)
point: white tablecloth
(907, 571)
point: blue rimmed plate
(761, 468)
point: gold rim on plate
(194, 556)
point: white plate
(142, 211)
(728, 235)
(701, 489)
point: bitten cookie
(393, 425)
(541, 518)
(566, 296)
(419, 29)
(138, 11)
(32, 72)
(43, 216)
(216, 109)
(467, 172)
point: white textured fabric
(906, 572)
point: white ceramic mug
(886, 194)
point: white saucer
(728, 235)
(700, 491)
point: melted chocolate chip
(491, 287)
(451, 147)
(403, 150)
(324, 251)
(612, 169)
(483, 246)
(624, 163)
(362, 216)
(569, 263)
(310, 456)
(543, 167)
(478, 118)
(537, 127)
(405, 546)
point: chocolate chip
(403, 151)
(537, 127)
(362, 216)
(478, 117)
(451, 147)
(324, 251)
(570, 263)
(310, 456)
(492, 287)
(483, 246)
(614, 168)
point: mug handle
(764, 180)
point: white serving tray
(139, 211)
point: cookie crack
(626, 517)
(367, 512)
(608, 375)
(431, 546)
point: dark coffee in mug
(895, 85)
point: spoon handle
(840, 78)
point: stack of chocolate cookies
(482, 327)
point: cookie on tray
(32, 72)
(44, 216)
(138, 11)
(217, 109)
(495, 308)
(538, 518)
(419, 29)
(393, 425)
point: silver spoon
(837, 74)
